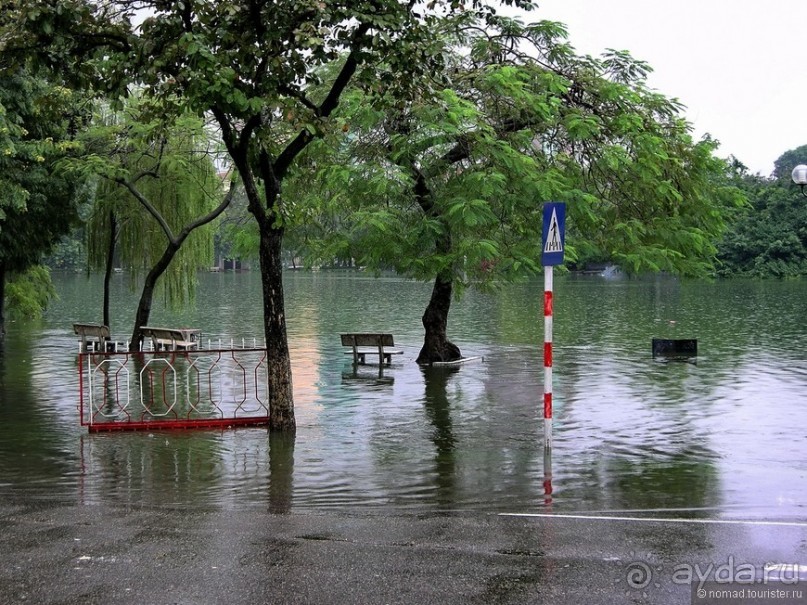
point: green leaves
(768, 238)
(38, 201)
(516, 129)
(168, 163)
(470, 213)
(581, 127)
(28, 293)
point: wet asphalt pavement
(57, 553)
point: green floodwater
(724, 437)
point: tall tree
(450, 188)
(252, 65)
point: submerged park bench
(92, 337)
(375, 344)
(685, 348)
(171, 339)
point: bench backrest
(663, 347)
(163, 333)
(367, 340)
(91, 330)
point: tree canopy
(171, 167)
(38, 203)
(515, 129)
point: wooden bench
(92, 337)
(171, 339)
(378, 342)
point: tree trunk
(239, 142)
(264, 209)
(144, 306)
(110, 258)
(281, 396)
(436, 346)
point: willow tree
(155, 202)
(449, 188)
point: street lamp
(799, 176)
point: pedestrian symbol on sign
(553, 241)
(553, 233)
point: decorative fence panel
(173, 389)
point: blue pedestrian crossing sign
(553, 233)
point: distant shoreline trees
(769, 237)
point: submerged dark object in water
(670, 348)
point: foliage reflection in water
(724, 436)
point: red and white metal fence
(215, 388)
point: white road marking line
(659, 519)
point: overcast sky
(740, 66)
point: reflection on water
(725, 436)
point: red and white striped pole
(548, 357)
(553, 234)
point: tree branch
(300, 96)
(211, 215)
(148, 206)
(328, 105)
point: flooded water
(725, 437)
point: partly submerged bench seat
(374, 344)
